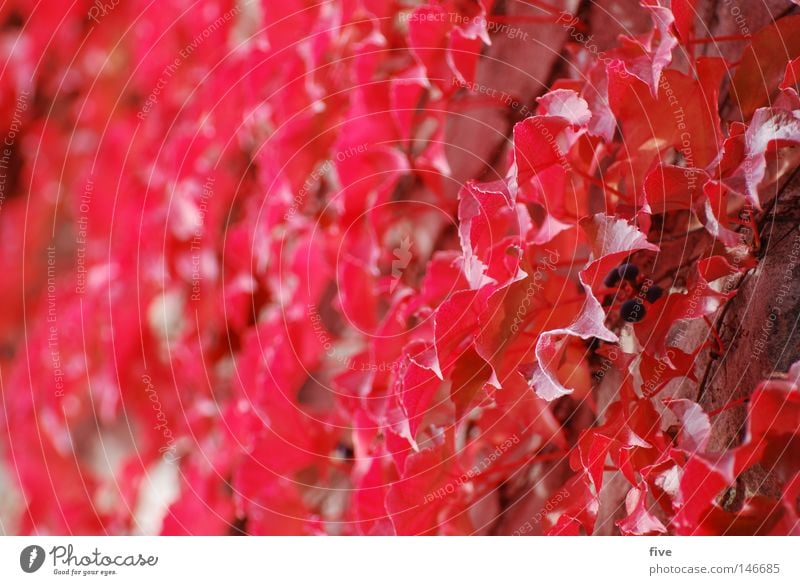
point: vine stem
(731, 404)
(721, 346)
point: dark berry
(345, 451)
(613, 278)
(632, 310)
(653, 293)
(628, 271)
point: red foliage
(264, 310)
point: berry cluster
(627, 275)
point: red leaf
(639, 521)
(768, 127)
(414, 502)
(763, 64)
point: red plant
(264, 277)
